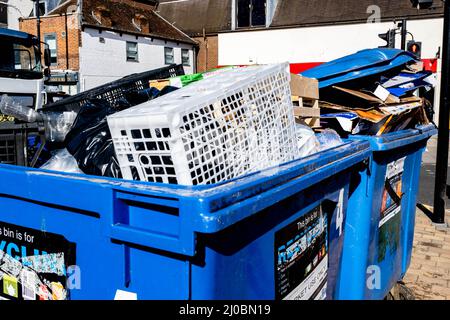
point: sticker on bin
(392, 192)
(301, 258)
(33, 264)
(390, 212)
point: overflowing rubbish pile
(219, 125)
(373, 92)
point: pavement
(429, 273)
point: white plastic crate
(231, 124)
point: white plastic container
(231, 124)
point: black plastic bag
(90, 140)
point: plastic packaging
(62, 161)
(58, 124)
(11, 107)
(328, 139)
(306, 140)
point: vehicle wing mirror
(47, 57)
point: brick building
(97, 41)
(60, 29)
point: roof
(122, 13)
(304, 12)
(193, 16)
(214, 16)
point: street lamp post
(440, 191)
(38, 19)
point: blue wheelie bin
(381, 215)
(275, 234)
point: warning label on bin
(301, 258)
(392, 192)
(33, 264)
(390, 211)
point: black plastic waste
(89, 140)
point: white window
(50, 40)
(169, 57)
(132, 51)
(185, 57)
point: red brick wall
(56, 24)
(208, 53)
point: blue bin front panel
(245, 267)
(377, 251)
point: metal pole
(404, 33)
(67, 42)
(443, 136)
(38, 20)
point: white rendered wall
(18, 9)
(104, 62)
(319, 44)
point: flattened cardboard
(369, 96)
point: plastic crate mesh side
(145, 154)
(246, 131)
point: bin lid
(398, 139)
(358, 65)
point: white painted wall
(319, 44)
(104, 62)
(18, 9)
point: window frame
(250, 15)
(188, 64)
(56, 47)
(136, 59)
(165, 55)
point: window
(3, 14)
(251, 13)
(18, 57)
(42, 8)
(185, 57)
(169, 56)
(50, 39)
(132, 51)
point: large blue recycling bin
(275, 234)
(380, 220)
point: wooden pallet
(305, 98)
